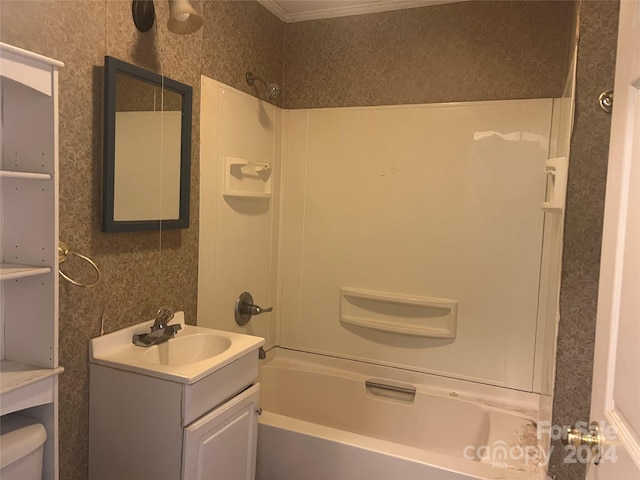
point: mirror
(147, 150)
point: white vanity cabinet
(168, 418)
(29, 242)
(222, 444)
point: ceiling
(300, 10)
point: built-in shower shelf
(246, 178)
(556, 170)
(399, 313)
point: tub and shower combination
(328, 418)
(411, 331)
(408, 251)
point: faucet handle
(163, 317)
(165, 313)
(256, 310)
(245, 309)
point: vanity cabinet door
(222, 444)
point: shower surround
(410, 237)
(385, 206)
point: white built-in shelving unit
(29, 242)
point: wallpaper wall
(140, 271)
(583, 224)
(466, 51)
(482, 50)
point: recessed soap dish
(246, 178)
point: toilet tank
(21, 447)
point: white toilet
(21, 446)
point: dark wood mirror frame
(112, 68)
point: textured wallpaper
(466, 51)
(486, 50)
(141, 271)
(242, 36)
(583, 224)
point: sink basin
(188, 349)
(191, 355)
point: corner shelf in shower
(399, 313)
(556, 170)
(246, 179)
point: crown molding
(323, 9)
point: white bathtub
(320, 421)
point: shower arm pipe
(251, 78)
(272, 89)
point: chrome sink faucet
(160, 330)
(163, 317)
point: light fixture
(143, 14)
(183, 18)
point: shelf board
(23, 386)
(14, 375)
(10, 271)
(24, 175)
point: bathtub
(321, 420)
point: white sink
(191, 355)
(182, 350)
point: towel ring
(63, 253)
